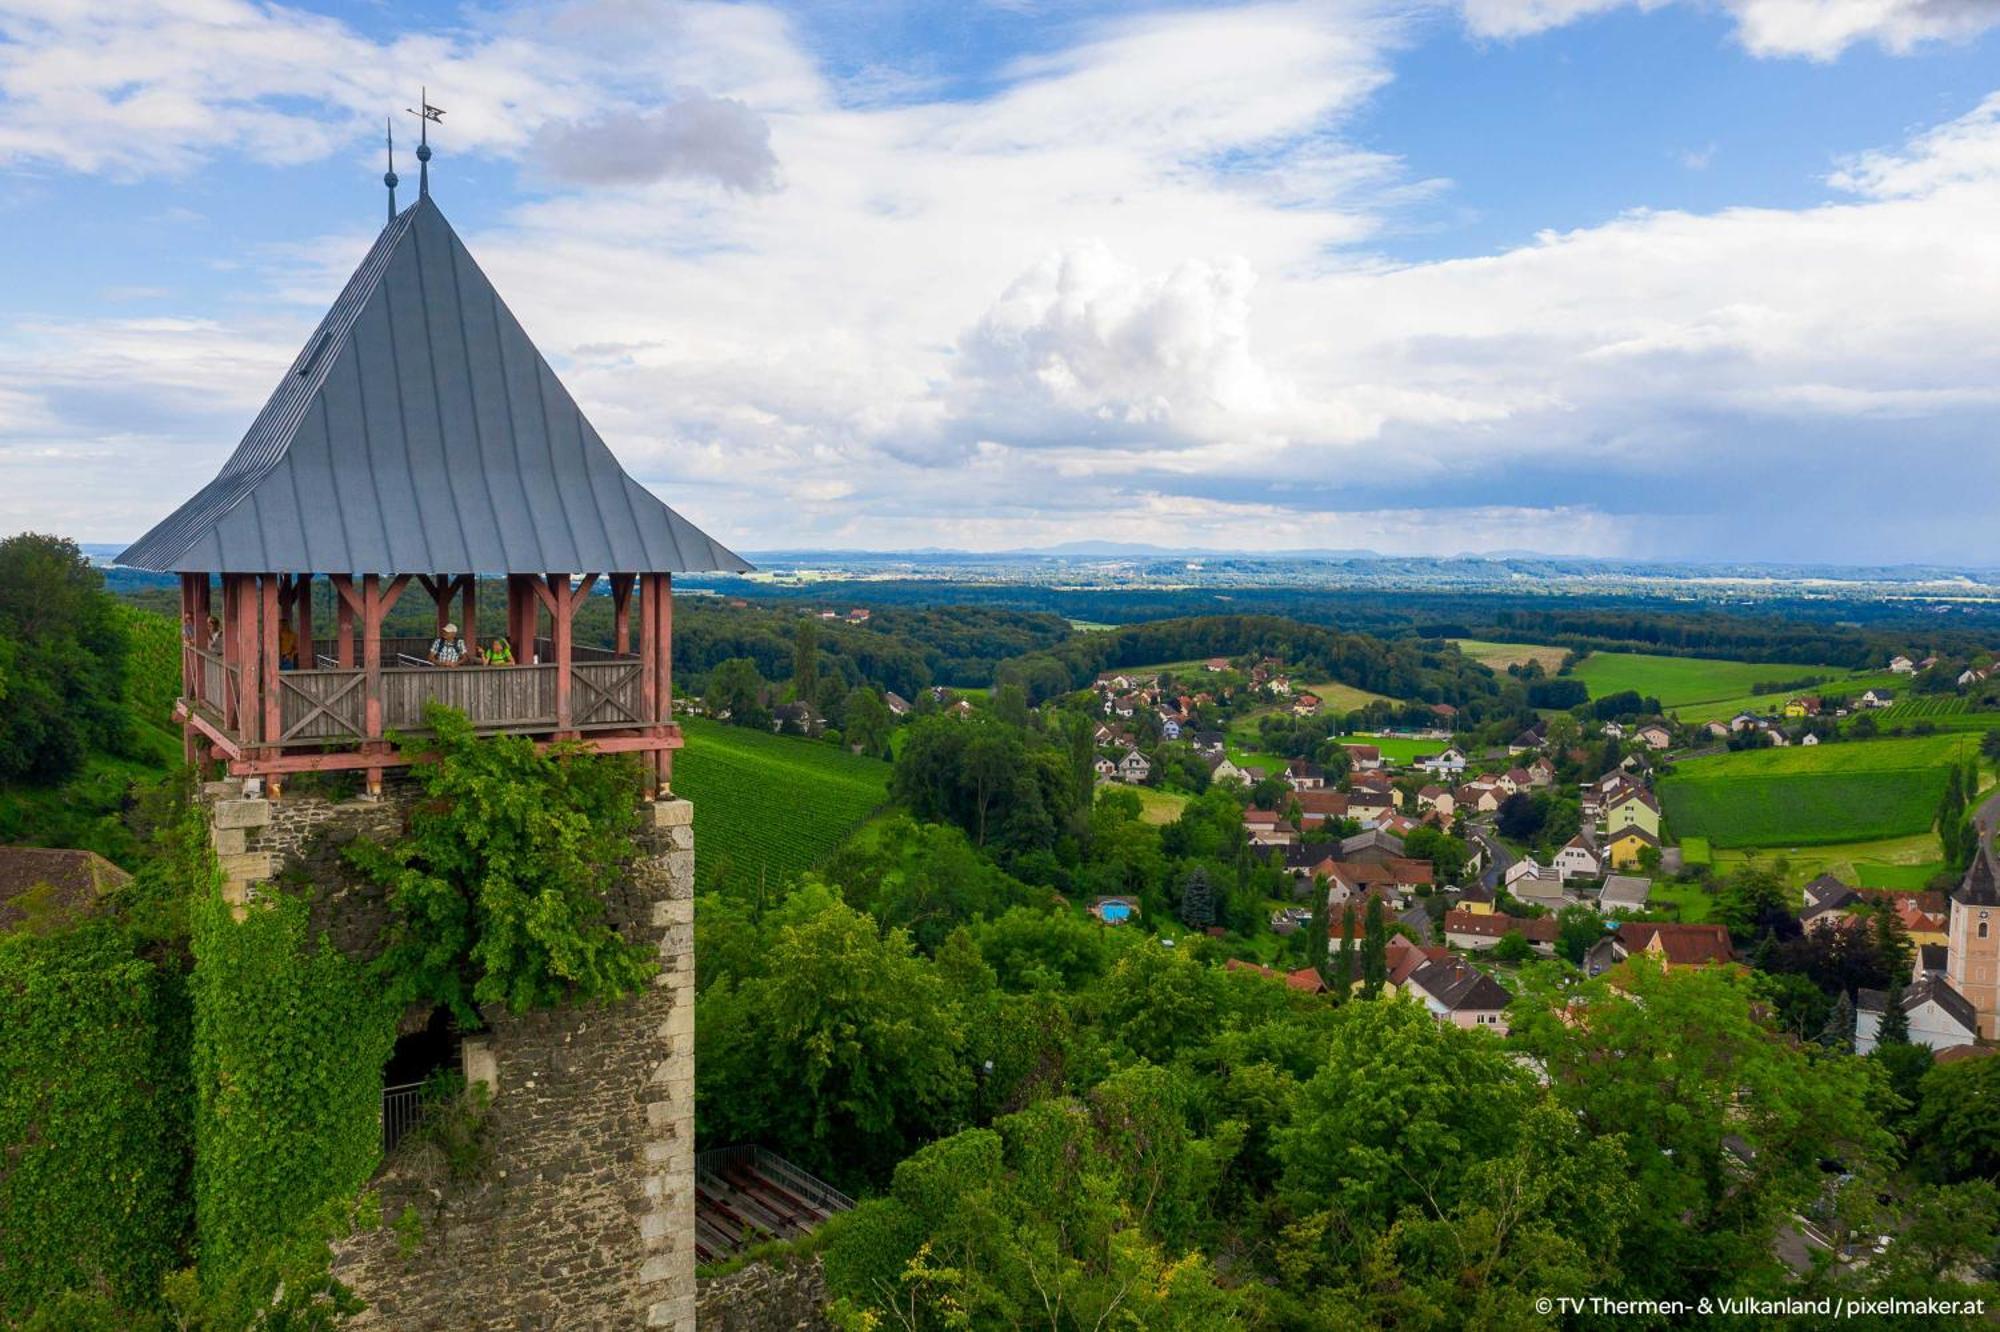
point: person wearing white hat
(448, 649)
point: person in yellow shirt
(500, 654)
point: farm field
(1499, 656)
(1158, 807)
(1798, 797)
(1893, 862)
(1947, 712)
(1677, 681)
(1338, 697)
(1841, 683)
(770, 805)
(1395, 748)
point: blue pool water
(1115, 911)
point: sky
(1674, 279)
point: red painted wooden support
(274, 725)
(560, 610)
(621, 613)
(302, 601)
(246, 658)
(468, 615)
(371, 654)
(346, 605)
(665, 757)
(649, 680)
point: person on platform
(288, 646)
(448, 649)
(501, 653)
(214, 634)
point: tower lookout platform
(420, 437)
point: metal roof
(420, 431)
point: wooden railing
(208, 680)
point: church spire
(425, 114)
(389, 176)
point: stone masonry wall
(766, 1297)
(584, 1218)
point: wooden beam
(649, 681)
(346, 605)
(545, 588)
(371, 653)
(274, 725)
(561, 640)
(621, 613)
(468, 615)
(665, 757)
(302, 602)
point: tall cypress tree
(1374, 952)
(1838, 1033)
(1343, 968)
(1197, 900)
(1895, 1028)
(1316, 935)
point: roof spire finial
(425, 116)
(389, 176)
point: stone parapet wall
(766, 1297)
(584, 1217)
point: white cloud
(1125, 295)
(1815, 29)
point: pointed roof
(1980, 887)
(421, 431)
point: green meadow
(1807, 796)
(1679, 681)
(1499, 656)
(770, 806)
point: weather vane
(425, 117)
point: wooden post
(621, 614)
(468, 615)
(649, 683)
(560, 640)
(345, 603)
(376, 603)
(302, 601)
(666, 756)
(248, 659)
(274, 725)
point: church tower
(1973, 960)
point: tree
(1725, 1123)
(1374, 951)
(1513, 947)
(1521, 817)
(1577, 928)
(805, 659)
(1895, 1028)
(497, 892)
(866, 721)
(63, 651)
(1197, 899)
(842, 1054)
(1838, 1033)
(1010, 704)
(736, 688)
(1343, 966)
(1955, 1131)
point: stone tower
(583, 1218)
(1973, 943)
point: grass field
(1397, 749)
(1157, 806)
(1690, 903)
(1678, 681)
(1892, 862)
(1338, 697)
(1499, 656)
(1824, 795)
(770, 805)
(1841, 683)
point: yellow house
(1633, 809)
(1626, 845)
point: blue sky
(1677, 278)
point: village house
(1457, 992)
(1632, 807)
(1876, 698)
(1305, 705)
(1401, 959)
(1536, 885)
(1316, 807)
(1301, 775)
(1624, 892)
(1477, 932)
(1578, 858)
(1450, 763)
(1134, 768)
(1901, 665)
(1479, 797)
(1805, 706)
(1364, 758)
(1105, 769)
(1939, 1016)
(1628, 847)
(1674, 945)
(898, 705)
(1654, 736)
(1476, 898)
(1222, 771)
(1438, 800)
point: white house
(1939, 1016)
(1578, 859)
(1451, 763)
(1902, 666)
(1134, 767)
(1877, 698)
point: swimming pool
(1115, 911)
